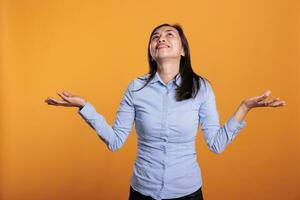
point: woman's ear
(182, 54)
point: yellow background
(95, 48)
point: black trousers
(135, 195)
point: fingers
(268, 103)
(56, 102)
(67, 94)
(51, 101)
(277, 103)
(264, 96)
(63, 96)
(272, 103)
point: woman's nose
(161, 39)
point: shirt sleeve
(216, 137)
(114, 136)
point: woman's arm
(114, 136)
(218, 137)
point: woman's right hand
(68, 100)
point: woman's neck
(167, 70)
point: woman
(167, 105)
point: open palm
(260, 101)
(68, 100)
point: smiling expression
(165, 43)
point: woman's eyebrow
(165, 31)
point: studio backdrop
(95, 48)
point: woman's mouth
(161, 46)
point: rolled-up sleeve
(217, 137)
(114, 136)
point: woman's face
(165, 43)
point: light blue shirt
(166, 165)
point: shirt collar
(157, 78)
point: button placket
(165, 111)
(164, 135)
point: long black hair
(190, 85)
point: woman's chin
(165, 57)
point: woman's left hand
(259, 101)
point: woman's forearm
(241, 112)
